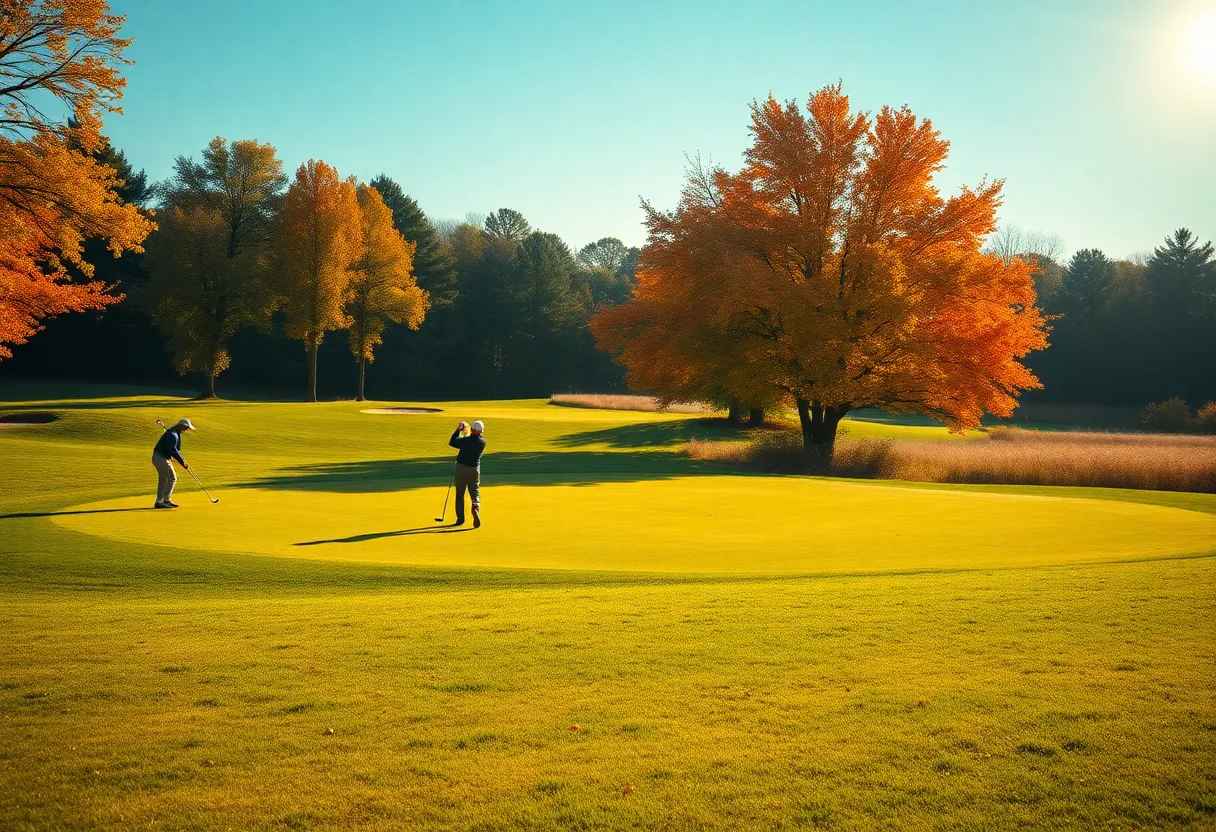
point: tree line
(244, 263)
(1124, 331)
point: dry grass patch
(1006, 456)
(615, 401)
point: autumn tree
(830, 271)
(57, 56)
(433, 265)
(382, 287)
(204, 288)
(318, 238)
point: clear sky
(1099, 114)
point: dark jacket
(470, 448)
(170, 445)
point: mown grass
(186, 686)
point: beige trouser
(166, 478)
(467, 479)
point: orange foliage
(382, 286)
(53, 195)
(319, 239)
(830, 271)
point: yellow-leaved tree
(317, 239)
(382, 285)
(53, 195)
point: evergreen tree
(434, 266)
(1182, 278)
(1085, 289)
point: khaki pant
(166, 478)
(467, 479)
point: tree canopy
(382, 286)
(830, 271)
(319, 238)
(57, 56)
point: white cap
(478, 426)
(185, 423)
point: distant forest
(510, 306)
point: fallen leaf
(329, 732)
(627, 790)
(576, 727)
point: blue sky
(571, 112)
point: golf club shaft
(200, 485)
(444, 515)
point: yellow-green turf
(736, 652)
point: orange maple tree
(53, 194)
(831, 273)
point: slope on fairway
(666, 523)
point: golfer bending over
(468, 468)
(168, 448)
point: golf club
(215, 500)
(447, 494)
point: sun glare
(1201, 43)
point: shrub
(1206, 421)
(1170, 416)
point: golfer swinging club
(467, 471)
(169, 448)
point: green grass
(736, 652)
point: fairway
(633, 640)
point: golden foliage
(319, 239)
(53, 195)
(382, 285)
(831, 272)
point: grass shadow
(653, 434)
(21, 514)
(504, 468)
(362, 538)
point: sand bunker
(401, 411)
(25, 420)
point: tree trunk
(362, 376)
(211, 387)
(755, 416)
(819, 424)
(312, 372)
(735, 414)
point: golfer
(468, 468)
(167, 449)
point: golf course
(634, 639)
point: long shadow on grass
(651, 434)
(21, 514)
(505, 468)
(361, 538)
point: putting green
(677, 524)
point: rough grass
(189, 687)
(1005, 456)
(615, 401)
